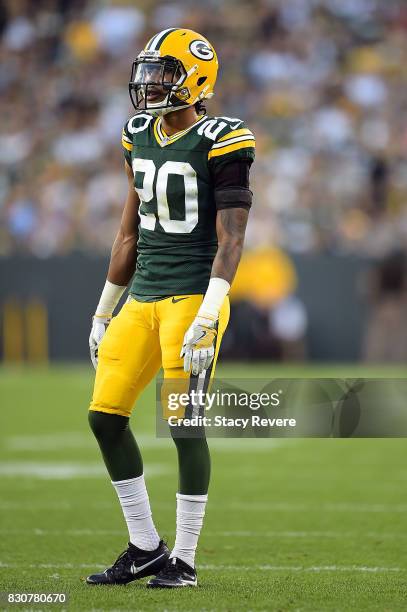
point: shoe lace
(120, 564)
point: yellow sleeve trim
(233, 147)
(127, 145)
(241, 132)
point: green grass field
(315, 524)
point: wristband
(109, 299)
(218, 289)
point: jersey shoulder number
(137, 123)
(230, 139)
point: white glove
(198, 348)
(99, 327)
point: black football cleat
(133, 564)
(175, 574)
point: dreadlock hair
(200, 107)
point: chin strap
(159, 112)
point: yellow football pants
(141, 339)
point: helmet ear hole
(201, 80)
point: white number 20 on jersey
(146, 194)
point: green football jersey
(173, 177)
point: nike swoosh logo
(135, 570)
(174, 300)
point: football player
(179, 243)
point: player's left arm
(198, 348)
(233, 200)
(230, 228)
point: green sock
(194, 463)
(119, 448)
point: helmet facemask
(156, 84)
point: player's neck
(179, 120)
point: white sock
(135, 504)
(190, 515)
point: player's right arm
(124, 251)
(121, 268)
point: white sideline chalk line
(253, 507)
(213, 567)
(325, 507)
(82, 440)
(299, 568)
(307, 534)
(66, 470)
(215, 534)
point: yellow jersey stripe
(126, 138)
(241, 132)
(225, 143)
(157, 137)
(163, 139)
(127, 145)
(233, 147)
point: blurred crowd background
(322, 83)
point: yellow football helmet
(176, 69)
